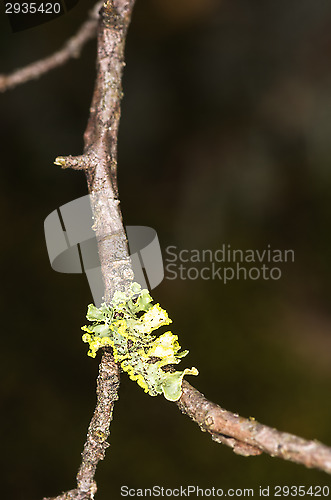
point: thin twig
(99, 162)
(249, 437)
(71, 49)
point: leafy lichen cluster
(126, 325)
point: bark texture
(99, 161)
(249, 437)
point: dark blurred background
(224, 138)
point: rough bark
(99, 161)
(249, 437)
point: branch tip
(59, 161)
(74, 162)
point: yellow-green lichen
(126, 325)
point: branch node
(75, 162)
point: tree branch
(99, 161)
(249, 437)
(98, 431)
(100, 150)
(71, 49)
(96, 443)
